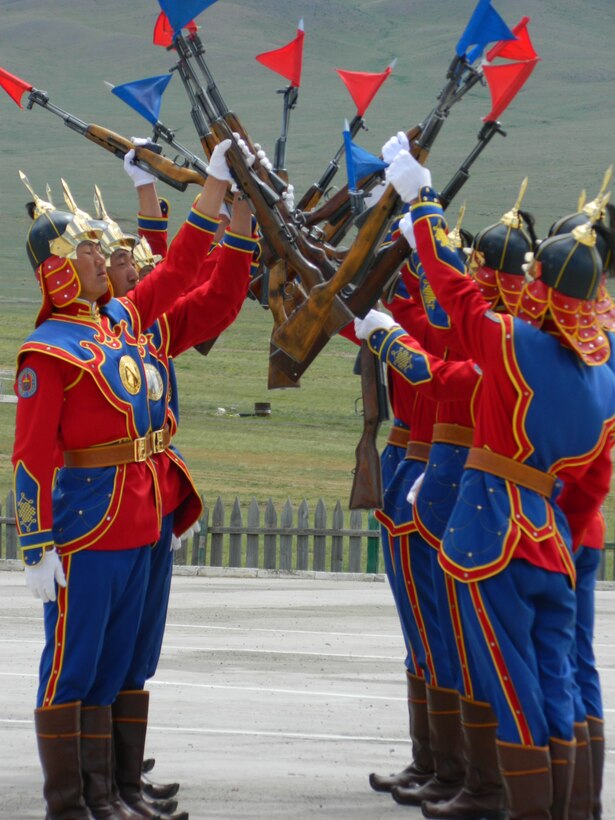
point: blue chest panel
(570, 401)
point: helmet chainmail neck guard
(497, 256)
(568, 272)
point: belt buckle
(140, 448)
(158, 442)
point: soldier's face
(122, 272)
(91, 270)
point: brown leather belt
(398, 436)
(418, 450)
(510, 470)
(122, 452)
(452, 434)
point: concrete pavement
(274, 698)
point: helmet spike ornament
(113, 238)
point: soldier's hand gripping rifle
(149, 158)
(264, 200)
(302, 329)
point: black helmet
(570, 262)
(504, 245)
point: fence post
(270, 539)
(217, 538)
(200, 542)
(373, 544)
(11, 530)
(2, 528)
(252, 538)
(337, 541)
(303, 523)
(234, 559)
(354, 551)
(286, 539)
(320, 523)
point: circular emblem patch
(155, 387)
(130, 375)
(27, 383)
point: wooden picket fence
(264, 538)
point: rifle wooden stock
(162, 167)
(300, 331)
(272, 226)
(366, 492)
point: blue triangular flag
(359, 162)
(485, 26)
(181, 12)
(145, 96)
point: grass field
(559, 132)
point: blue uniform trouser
(151, 631)
(588, 693)
(91, 627)
(399, 510)
(519, 626)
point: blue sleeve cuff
(202, 222)
(153, 223)
(245, 244)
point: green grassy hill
(560, 133)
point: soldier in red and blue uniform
(217, 293)
(88, 501)
(508, 543)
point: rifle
(148, 158)
(366, 492)
(291, 92)
(299, 333)
(212, 126)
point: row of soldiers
(501, 376)
(492, 503)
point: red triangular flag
(504, 82)
(163, 30)
(13, 86)
(287, 60)
(519, 49)
(363, 86)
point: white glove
(407, 176)
(289, 198)
(137, 175)
(414, 490)
(42, 577)
(375, 320)
(393, 146)
(218, 167)
(407, 228)
(262, 157)
(176, 541)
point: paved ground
(274, 698)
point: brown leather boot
(526, 771)
(58, 735)
(99, 789)
(483, 794)
(129, 712)
(562, 771)
(446, 740)
(596, 733)
(421, 768)
(581, 797)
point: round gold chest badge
(130, 375)
(155, 387)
